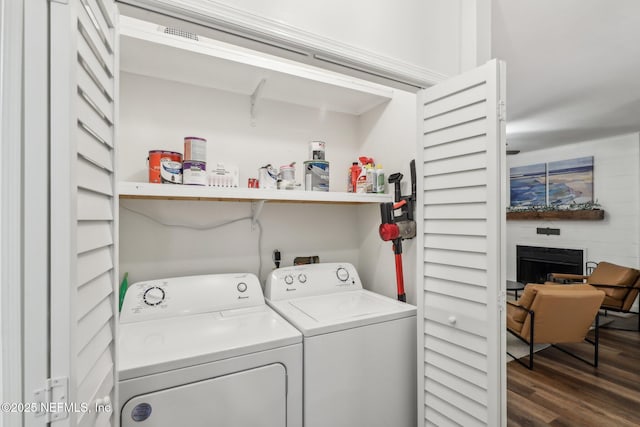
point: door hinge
(52, 401)
(502, 300)
(502, 110)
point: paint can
(316, 150)
(170, 172)
(194, 172)
(268, 177)
(154, 159)
(287, 177)
(195, 149)
(316, 175)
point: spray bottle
(362, 183)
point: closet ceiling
(573, 69)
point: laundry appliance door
(255, 397)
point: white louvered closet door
(83, 80)
(461, 165)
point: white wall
(426, 33)
(390, 138)
(616, 187)
(157, 114)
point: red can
(154, 159)
(252, 183)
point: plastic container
(379, 182)
(195, 149)
(316, 175)
(354, 173)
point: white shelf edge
(172, 191)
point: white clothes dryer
(359, 347)
(206, 350)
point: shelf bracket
(256, 209)
(255, 96)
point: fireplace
(534, 263)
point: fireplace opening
(534, 263)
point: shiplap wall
(616, 239)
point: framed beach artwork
(528, 185)
(571, 181)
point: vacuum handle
(395, 179)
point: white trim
(496, 251)
(116, 224)
(11, 225)
(63, 48)
(36, 203)
(503, 199)
(240, 22)
(419, 272)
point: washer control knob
(343, 274)
(302, 278)
(288, 279)
(153, 296)
(242, 287)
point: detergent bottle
(361, 183)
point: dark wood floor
(563, 391)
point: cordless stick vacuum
(396, 226)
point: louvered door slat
(88, 117)
(441, 361)
(88, 61)
(94, 93)
(467, 97)
(94, 150)
(92, 292)
(103, 368)
(93, 235)
(461, 162)
(96, 318)
(102, 26)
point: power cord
(276, 258)
(207, 227)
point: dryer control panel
(311, 279)
(180, 296)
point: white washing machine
(207, 351)
(359, 347)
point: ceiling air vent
(180, 33)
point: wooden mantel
(582, 215)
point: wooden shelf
(144, 190)
(583, 215)
(146, 50)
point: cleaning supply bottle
(361, 183)
(371, 178)
(354, 173)
(379, 183)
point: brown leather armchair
(555, 314)
(620, 285)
